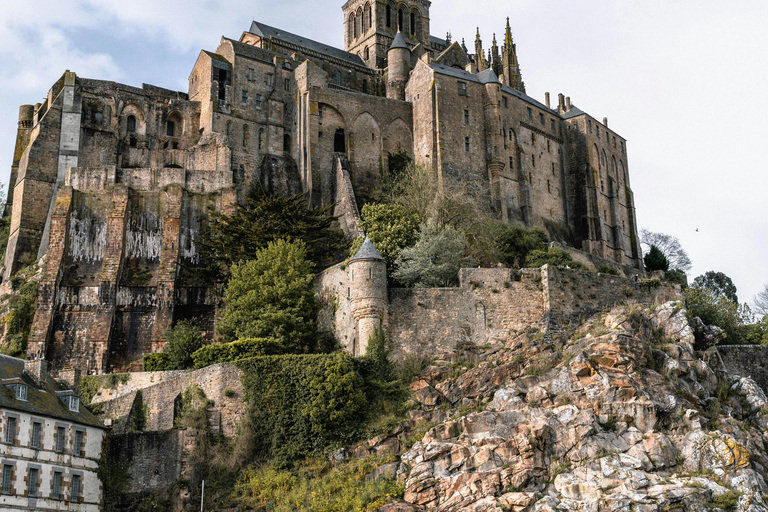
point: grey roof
(525, 97)
(437, 40)
(488, 76)
(367, 252)
(398, 41)
(574, 112)
(455, 72)
(42, 401)
(262, 30)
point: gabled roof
(367, 252)
(488, 76)
(574, 112)
(262, 30)
(41, 401)
(399, 41)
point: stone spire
(448, 38)
(509, 64)
(495, 59)
(464, 46)
(479, 55)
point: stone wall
(159, 391)
(155, 459)
(747, 361)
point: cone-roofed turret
(367, 251)
(398, 42)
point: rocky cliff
(631, 411)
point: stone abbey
(113, 183)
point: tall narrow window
(261, 139)
(170, 128)
(76, 481)
(78, 441)
(413, 23)
(32, 482)
(511, 164)
(131, 124)
(365, 82)
(10, 433)
(530, 113)
(466, 117)
(504, 101)
(7, 472)
(60, 435)
(548, 189)
(466, 144)
(36, 432)
(389, 16)
(533, 161)
(553, 168)
(338, 77)
(462, 88)
(257, 101)
(548, 146)
(541, 119)
(244, 98)
(400, 20)
(56, 492)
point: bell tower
(370, 27)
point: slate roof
(367, 252)
(399, 41)
(42, 401)
(262, 30)
(574, 112)
(441, 42)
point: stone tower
(368, 293)
(399, 59)
(510, 67)
(371, 26)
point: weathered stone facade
(114, 183)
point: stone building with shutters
(114, 183)
(49, 444)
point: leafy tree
(670, 247)
(715, 309)
(655, 260)
(262, 219)
(271, 296)
(761, 302)
(236, 350)
(390, 228)
(20, 314)
(515, 242)
(183, 340)
(435, 260)
(719, 283)
(676, 276)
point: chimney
(37, 370)
(71, 377)
(605, 122)
(567, 103)
(561, 102)
(546, 99)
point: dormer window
(19, 390)
(74, 404)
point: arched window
(339, 145)
(355, 21)
(413, 23)
(170, 128)
(360, 22)
(351, 26)
(98, 117)
(389, 16)
(400, 20)
(366, 53)
(368, 23)
(131, 124)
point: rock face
(622, 414)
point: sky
(681, 80)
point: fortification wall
(159, 391)
(155, 460)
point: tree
(390, 228)
(670, 247)
(715, 309)
(182, 341)
(263, 219)
(761, 302)
(719, 283)
(271, 296)
(435, 260)
(515, 242)
(655, 260)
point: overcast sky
(682, 80)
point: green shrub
(19, 316)
(718, 310)
(655, 260)
(236, 350)
(514, 243)
(607, 269)
(156, 362)
(726, 501)
(676, 276)
(183, 340)
(552, 256)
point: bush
(183, 340)
(435, 260)
(607, 269)
(390, 228)
(157, 362)
(19, 316)
(717, 310)
(676, 276)
(552, 256)
(655, 260)
(514, 244)
(236, 350)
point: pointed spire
(464, 46)
(509, 66)
(448, 38)
(398, 41)
(495, 59)
(367, 251)
(479, 54)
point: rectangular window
(78, 441)
(614, 142)
(607, 139)
(245, 98)
(553, 168)
(32, 483)
(36, 431)
(530, 113)
(466, 117)
(597, 130)
(504, 101)
(270, 79)
(622, 147)
(56, 491)
(548, 147)
(552, 124)
(541, 119)
(7, 472)
(20, 391)
(533, 161)
(74, 401)
(338, 77)
(462, 88)
(60, 439)
(466, 144)
(257, 101)
(10, 433)
(286, 85)
(589, 125)
(75, 487)
(511, 163)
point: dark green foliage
(552, 256)
(398, 162)
(5, 231)
(302, 403)
(20, 314)
(757, 333)
(676, 276)
(607, 269)
(113, 475)
(719, 284)
(435, 260)
(390, 228)
(271, 296)
(655, 260)
(236, 350)
(157, 362)
(263, 219)
(714, 309)
(182, 341)
(514, 244)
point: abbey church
(113, 183)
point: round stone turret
(26, 116)
(398, 64)
(368, 294)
